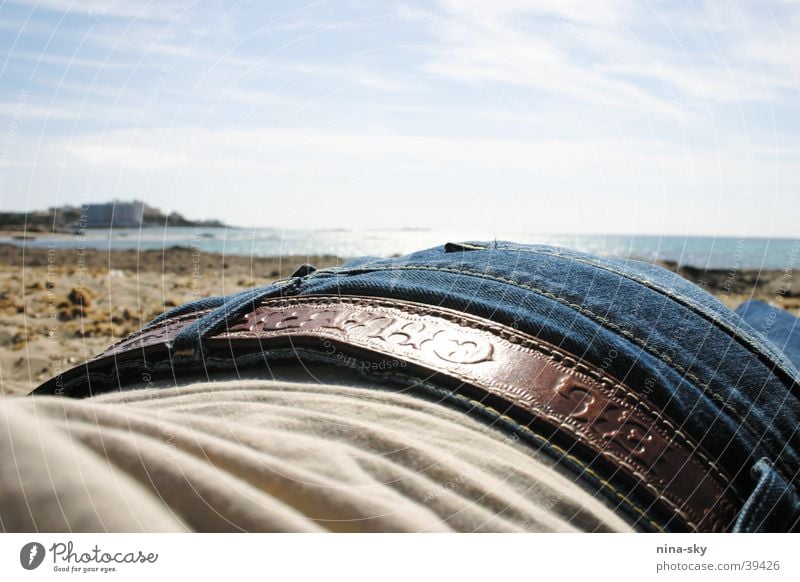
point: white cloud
(598, 53)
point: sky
(552, 116)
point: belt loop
(188, 346)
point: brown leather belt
(595, 418)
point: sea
(697, 251)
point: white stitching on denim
(686, 301)
(706, 386)
(230, 311)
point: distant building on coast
(119, 214)
(116, 214)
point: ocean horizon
(704, 252)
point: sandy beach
(60, 307)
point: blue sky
(542, 117)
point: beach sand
(60, 307)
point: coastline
(59, 307)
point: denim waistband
(733, 392)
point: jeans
(728, 380)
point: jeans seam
(202, 304)
(195, 333)
(683, 300)
(589, 313)
(765, 506)
(757, 505)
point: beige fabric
(262, 455)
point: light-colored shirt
(298, 454)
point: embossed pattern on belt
(573, 400)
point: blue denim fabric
(723, 382)
(776, 325)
